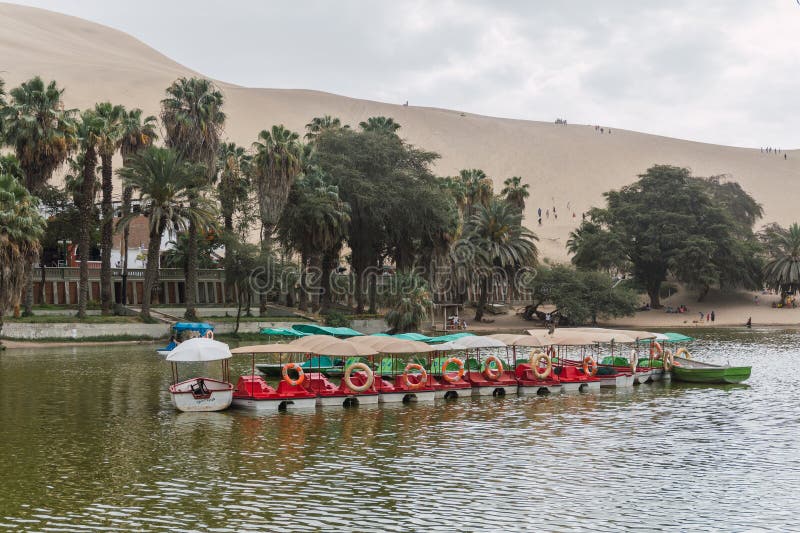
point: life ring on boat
(447, 377)
(685, 352)
(423, 376)
(656, 351)
(492, 374)
(668, 361)
(301, 376)
(209, 334)
(536, 361)
(590, 363)
(349, 382)
(634, 360)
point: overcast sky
(720, 71)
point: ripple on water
(107, 453)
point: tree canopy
(671, 223)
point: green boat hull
(722, 374)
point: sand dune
(574, 163)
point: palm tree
(515, 192)
(320, 124)
(138, 132)
(498, 240)
(166, 184)
(89, 131)
(479, 189)
(380, 124)
(782, 271)
(410, 301)
(276, 164)
(3, 104)
(42, 134)
(193, 118)
(234, 180)
(110, 141)
(21, 228)
(314, 222)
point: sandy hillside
(571, 164)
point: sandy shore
(730, 310)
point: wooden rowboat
(693, 371)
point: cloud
(721, 71)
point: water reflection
(91, 440)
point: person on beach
(708, 317)
(749, 322)
(755, 299)
(701, 315)
(713, 316)
(540, 220)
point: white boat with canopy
(201, 393)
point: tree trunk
(325, 291)
(84, 241)
(703, 293)
(27, 301)
(654, 292)
(127, 194)
(303, 297)
(373, 294)
(191, 273)
(239, 308)
(106, 236)
(151, 270)
(484, 295)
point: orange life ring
(656, 351)
(423, 376)
(447, 377)
(301, 376)
(209, 334)
(349, 382)
(492, 374)
(589, 362)
(536, 360)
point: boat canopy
(283, 332)
(329, 345)
(201, 327)
(473, 342)
(414, 337)
(392, 345)
(677, 337)
(314, 329)
(199, 349)
(450, 337)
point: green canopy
(447, 338)
(415, 337)
(313, 329)
(282, 332)
(677, 337)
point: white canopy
(199, 349)
(474, 341)
(391, 345)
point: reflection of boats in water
(200, 393)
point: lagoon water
(90, 441)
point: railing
(165, 274)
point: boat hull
(641, 377)
(218, 397)
(407, 396)
(494, 390)
(619, 381)
(711, 375)
(275, 404)
(350, 400)
(571, 387)
(538, 390)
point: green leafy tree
(168, 188)
(193, 119)
(499, 240)
(234, 169)
(669, 222)
(782, 270)
(42, 134)
(579, 296)
(314, 223)
(110, 140)
(21, 227)
(478, 187)
(515, 192)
